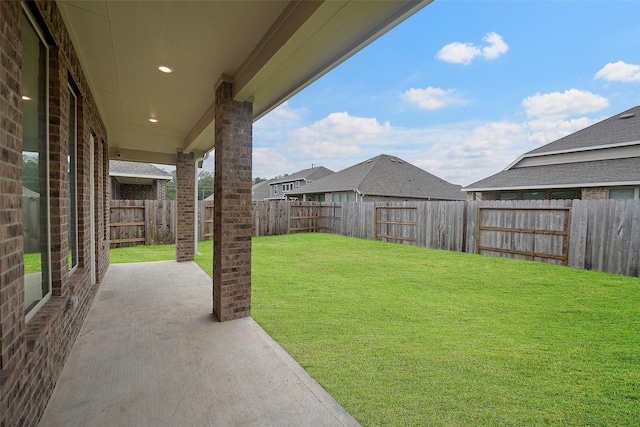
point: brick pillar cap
(223, 78)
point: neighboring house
(137, 181)
(599, 162)
(382, 178)
(279, 188)
(260, 191)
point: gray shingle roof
(386, 175)
(618, 129)
(308, 174)
(613, 130)
(123, 168)
(260, 191)
(615, 171)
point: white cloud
(496, 47)
(431, 98)
(560, 105)
(464, 53)
(458, 53)
(462, 153)
(340, 131)
(619, 72)
(545, 131)
(269, 162)
(281, 116)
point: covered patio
(161, 82)
(148, 354)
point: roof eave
(571, 150)
(554, 186)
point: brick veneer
(155, 191)
(185, 206)
(33, 354)
(11, 243)
(595, 193)
(232, 206)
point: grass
(406, 336)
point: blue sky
(462, 88)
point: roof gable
(122, 168)
(316, 172)
(569, 175)
(617, 129)
(260, 191)
(605, 153)
(386, 175)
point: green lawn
(405, 336)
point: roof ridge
(373, 166)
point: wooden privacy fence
(205, 218)
(602, 235)
(535, 233)
(142, 222)
(395, 223)
(311, 218)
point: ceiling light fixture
(26, 98)
(153, 120)
(165, 69)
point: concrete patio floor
(150, 354)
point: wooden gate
(395, 223)
(534, 233)
(314, 218)
(127, 224)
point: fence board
(602, 235)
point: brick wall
(33, 354)
(186, 206)
(155, 191)
(11, 243)
(232, 206)
(595, 193)
(160, 187)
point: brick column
(185, 206)
(232, 206)
(11, 239)
(58, 171)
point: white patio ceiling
(269, 49)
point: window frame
(30, 19)
(73, 229)
(636, 193)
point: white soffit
(271, 49)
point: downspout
(195, 234)
(359, 194)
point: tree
(205, 184)
(171, 187)
(258, 180)
(31, 172)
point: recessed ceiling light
(153, 120)
(25, 98)
(165, 69)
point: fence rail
(601, 235)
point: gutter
(195, 195)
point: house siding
(33, 354)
